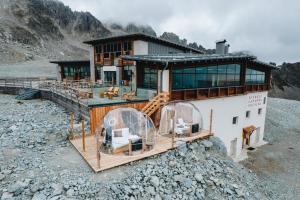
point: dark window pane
(221, 80)
(189, 70)
(189, 81)
(212, 70)
(201, 80)
(222, 69)
(231, 69)
(201, 70)
(177, 81)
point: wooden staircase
(156, 103)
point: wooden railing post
(72, 125)
(210, 121)
(83, 135)
(98, 151)
(130, 147)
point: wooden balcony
(205, 93)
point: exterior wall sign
(255, 100)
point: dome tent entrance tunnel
(127, 134)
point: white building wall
(140, 47)
(165, 81)
(224, 109)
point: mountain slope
(286, 82)
(44, 28)
(47, 29)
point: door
(110, 77)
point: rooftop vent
(222, 47)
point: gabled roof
(178, 58)
(70, 61)
(144, 37)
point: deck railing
(204, 93)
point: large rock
(17, 188)
(154, 181)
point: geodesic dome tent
(125, 126)
(183, 118)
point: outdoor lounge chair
(109, 90)
(115, 91)
(129, 95)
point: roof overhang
(195, 58)
(144, 37)
(62, 62)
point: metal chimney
(220, 46)
(227, 48)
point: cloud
(268, 29)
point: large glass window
(254, 77)
(77, 72)
(150, 78)
(204, 77)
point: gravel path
(279, 161)
(37, 162)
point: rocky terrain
(48, 29)
(285, 82)
(38, 162)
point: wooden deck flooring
(163, 144)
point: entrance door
(233, 144)
(110, 77)
(257, 137)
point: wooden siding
(97, 113)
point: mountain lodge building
(181, 89)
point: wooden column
(83, 135)
(210, 121)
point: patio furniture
(109, 90)
(120, 139)
(101, 94)
(128, 96)
(182, 128)
(115, 91)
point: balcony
(205, 93)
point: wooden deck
(163, 144)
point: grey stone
(70, 192)
(17, 188)
(39, 196)
(198, 177)
(207, 144)
(154, 181)
(187, 182)
(151, 190)
(7, 196)
(178, 178)
(2, 177)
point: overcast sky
(269, 29)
